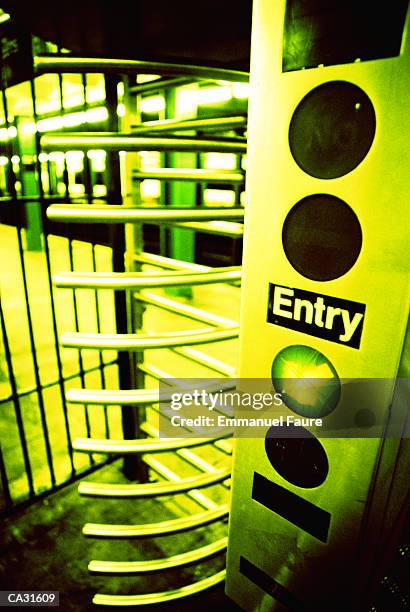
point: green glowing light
(307, 380)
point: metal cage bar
(70, 63)
(189, 457)
(178, 525)
(139, 280)
(200, 497)
(102, 489)
(185, 310)
(169, 125)
(114, 141)
(85, 213)
(141, 445)
(158, 598)
(131, 396)
(138, 342)
(199, 175)
(159, 261)
(156, 565)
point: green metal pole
(180, 194)
(27, 149)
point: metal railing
(36, 456)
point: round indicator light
(301, 461)
(322, 237)
(307, 380)
(332, 129)
(365, 418)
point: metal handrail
(69, 63)
(155, 565)
(93, 213)
(156, 489)
(139, 342)
(139, 280)
(200, 175)
(114, 141)
(144, 445)
(103, 530)
(168, 125)
(163, 596)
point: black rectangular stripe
(270, 585)
(291, 507)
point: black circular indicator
(322, 237)
(307, 380)
(364, 418)
(301, 461)
(332, 129)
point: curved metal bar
(103, 489)
(168, 125)
(187, 455)
(160, 84)
(167, 262)
(156, 565)
(123, 397)
(138, 342)
(185, 310)
(123, 214)
(113, 141)
(163, 596)
(184, 523)
(70, 63)
(144, 445)
(205, 360)
(224, 445)
(198, 495)
(199, 175)
(217, 227)
(126, 397)
(140, 280)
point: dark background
(213, 32)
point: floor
(43, 549)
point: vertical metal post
(18, 414)
(5, 489)
(180, 193)
(27, 148)
(133, 467)
(88, 181)
(49, 281)
(75, 302)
